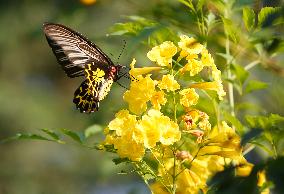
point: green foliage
(231, 30)
(253, 85)
(267, 16)
(249, 18)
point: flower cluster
(165, 124)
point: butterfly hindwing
(72, 50)
(96, 86)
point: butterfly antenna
(124, 45)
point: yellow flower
(126, 138)
(215, 85)
(190, 45)
(224, 142)
(141, 71)
(141, 91)
(128, 148)
(158, 99)
(163, 53)
(158, 128)
(188, 97)
(193, 66)
(168, 83)
(206, 58)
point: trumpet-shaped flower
(163, 53)
(141, 71)
(215, 85)
(168, 83)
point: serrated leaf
(231, 30)
(72, 135)
(249, 18)
(255, 85)
(267, 16)
(92, 130)
(51, 133)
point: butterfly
(78, 56)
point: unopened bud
(183, 155)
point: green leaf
(92, 130)
(240, 73)
(251, 135)
(51, 133)
(267, 15)
(120, 160)
(188, 4)
(255, 85)
(72, 135)
(231, 30)
(211, 21)
(235, 122)
(249, 18)
(200, 4)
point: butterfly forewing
(72, 50)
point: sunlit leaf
(249, 18)
(255, 85)
(231, 30)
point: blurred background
(35, 93)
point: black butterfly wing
(72, 50)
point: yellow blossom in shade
(188, 97)
(168, 83)
(215, 85)
(141, 91)
(158, 128)
(163, 53)
(158, 99)
(244, 169)
(193, 66)
(224, 142)
(141, 71)
(261, 181)
(190, 45)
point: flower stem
(230, 85)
